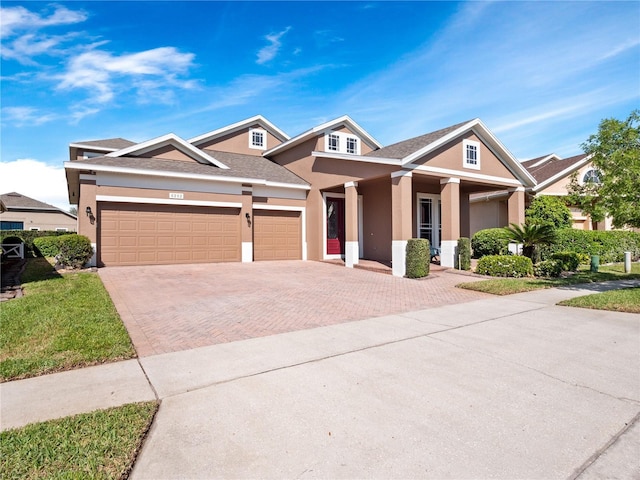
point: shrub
(418, 258)
(610, 245)
(490, 241)
(569, 260)
(27, 237)
(464, 254)
(47, 246)
(550, 210)
(548, 268)
(505, 266)
(75, 250)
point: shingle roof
(552, 167)
(407, 147)
(117, 143)
(244, 166)
(17, 200)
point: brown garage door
(133, 234)
(276, 235)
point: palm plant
(530, 235)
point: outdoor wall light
(248, 217)
(88, 210)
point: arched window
(591, 176)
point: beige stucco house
(249, 192)
(552, 175)
(23, 213)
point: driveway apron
(179, 307)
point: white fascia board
(166, 201)
(497, 148)
(92, 147)
(460, 174)
(195, 176)
(544, 160)
(358, 158)
(321, 129)
(169, 139)
(259, 119)
(488, 196)
(563, 173)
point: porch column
(400, 220)
(88, 223)
(515, 206)
(246, 223)
(351, 246)
(450, 219)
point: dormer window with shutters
(342, 143)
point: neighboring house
(248, 192)
(24, 213)
(552, 175)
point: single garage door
(135, 234)
(276, 235)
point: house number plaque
(178, 196)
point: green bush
(490, 241)
(569, 260)
(550, 210)
(75, 250)
(27, 237)
(47, 246)
(548, 268)
(464, 254)
(418, 258)
(505, 266)
(610, 245)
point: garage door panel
(133, 234)
(277, 235)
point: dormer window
(258, 139)
(471, 154)
(342, 143)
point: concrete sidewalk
(504, 387)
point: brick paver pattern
(169, 308)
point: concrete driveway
(178, 307)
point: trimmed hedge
(464, 254)
(418, 258)
(27, 236)
(505, 266)
(548, 268)
(47, 246)
(75, 250)
(490, 241)
(610, 245)
(569, 260)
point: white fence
(13, 250)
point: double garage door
(135, 234)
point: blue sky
(540, 75)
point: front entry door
(429, 213)
(335, 226)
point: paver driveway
(169, 308)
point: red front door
(335, 226)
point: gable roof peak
(169, 139)
(234, 127)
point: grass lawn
(624, 300)
(508, 286)
(101, 444)
(61, 322)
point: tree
(614, 189)
(73, 211)
(530, 235)
(550, 210)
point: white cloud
(15, 19)
(101, 72)
(25, 116)
(268, 53)
(35, 179)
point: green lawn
(97, 445)
(508, 286)
(624, 300)
(62, 322)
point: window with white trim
(35, 229)
(471, 154)
(258, 138)
(342, 143)
(61, 229)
